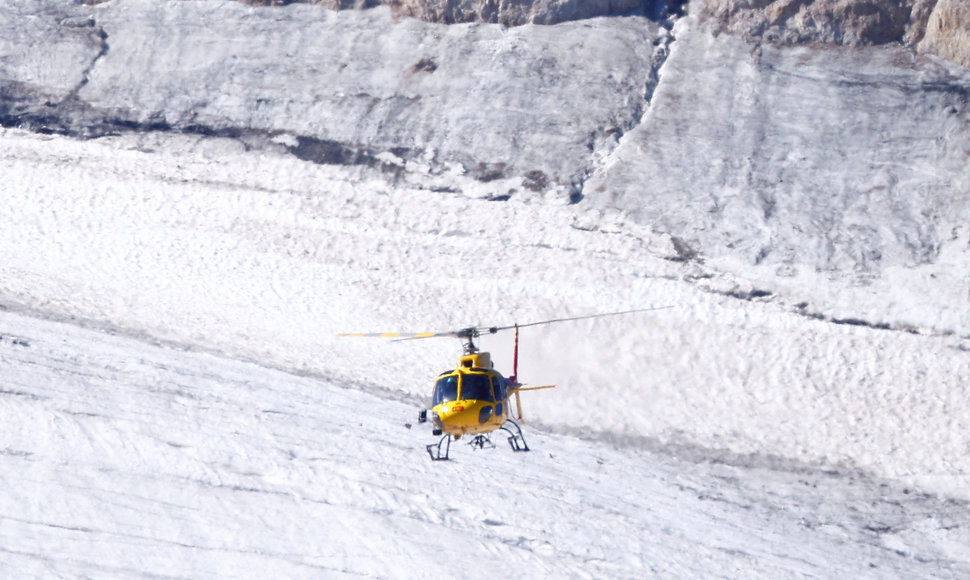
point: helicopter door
(498, 386)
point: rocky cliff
(947, 31)
(940, 27)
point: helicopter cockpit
(474, 384)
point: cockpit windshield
(476, 387)
(446, 389)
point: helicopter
(473, 398)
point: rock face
(939, 27)
(948, 31)
(849, 22)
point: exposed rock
(939, 27)
(917, 22)
(948, 31)
(844, 22)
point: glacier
(200, 195)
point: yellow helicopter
(473, 398)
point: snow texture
(122, 459)
(192, 213)
(835, 177)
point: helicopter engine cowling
(479, 360)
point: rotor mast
(468, 335)
(470, 347)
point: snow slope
(122, 459)
(342, 86)
(170, 239)
(834, 176)
(189, 404)
(831, 176)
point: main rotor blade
(397, 335)
(473, 332)
(463, 333)
(448, 334)
(494, 329)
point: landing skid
(481, 441)
(439, 451)
(434, 450)
(516, 440)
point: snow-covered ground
(836, 177)
(722, 436)
(175, 400)
(124, 459)
(260, 256)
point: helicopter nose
(457, 415)
(450, 411)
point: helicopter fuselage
(470, 399)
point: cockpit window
(476, 387)
(446, 389)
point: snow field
(195, 242)
(175, 401)
(126, 459)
